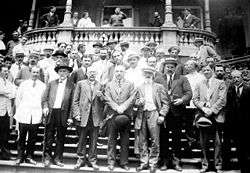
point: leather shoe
(47, 163)
(80, 163)
(18, 161)
(30, 160)
(125, 167)
(95, 166)
(164, 167)
(111, 167)
(58, 163)
(178, 168)
(152, 170)
(142, 167)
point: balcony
(136, 36)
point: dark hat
(174, 47)
(121, 121)
(202, 121)
(36, 55)
(63, 65)
(111, 41)
(124, 44)
(20, 54)
(98, 44)
(198, 39)
(151, 44)
(59, 53)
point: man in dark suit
(210, 98)
(190, 20)
(237, 115)
(153, 107)
(57, 100)
(50, 19)
(180, 93)
(119, 96)
(81, 73)
(87, 110)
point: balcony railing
(136, 36)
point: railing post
(207, 16)
(32, 15)
(66, 28)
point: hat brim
(59, 54)
(113, 42)
(121, 121)
(148, 71)
(70, 69)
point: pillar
(32, 15)
(168, 14)
(207, 16)
(67, 15)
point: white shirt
(59, 94)
(149, 102)
(14, 69)
(135, 76)
(29, 102)
(240, 88)
(194, 79)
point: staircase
(190, 157)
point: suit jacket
(216, 98)
(78, 75)
(180, 88)
(25, 73)
(84, 99)
(191, 20)
(122, 97)
(52, 20)
(50, 96)
(206, 51)
(237, 109)
(161, 102)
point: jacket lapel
(54, 91)
(174, 82)
(212, 87)
(95, 90)
(88, 90)
(66, 91)
(155, 94)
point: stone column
(65, 29)
(168, 14)
(67, 15)
(207, 16)
(32, 15)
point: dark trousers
(55, 126)
(31, 130)
(93, 135)
(173, 124)
(191, 131)
(4, 133)
(112, 141)
(206, 134)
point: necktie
(34, 84)
(238, 90)
(19, 67)
(170, 82)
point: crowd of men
(104, 92)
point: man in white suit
(210, 97)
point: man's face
(86, 61)
(75, 14)
(19, 59)
(237, 78)
(47, 53)
(15, 36)
(24, 40)
(169, 69)
(119, 72)
(133, 62)
(174, 53)
(5, 72)
(2, 36)
(189, 66)
(8, 64)
(103, 54)
(53, 10)
(148, 75)
(207, 71)
(62, 47)
(156, 14)
(33, 60)
(152, 62)
(35, 72)
(82, 49)
(63, 73)
(92, 75)
(62, 58)
(124, 48)
(117, 58)
(1, 61)
(219, 72)
(117, 10)
(68, 49)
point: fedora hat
(63, 65)
(121, 121)
(59, 53)
(202, 121)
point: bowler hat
(121, 121)
(63, 65)
(20, 54)
(59, 53)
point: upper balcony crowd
(103, 92)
